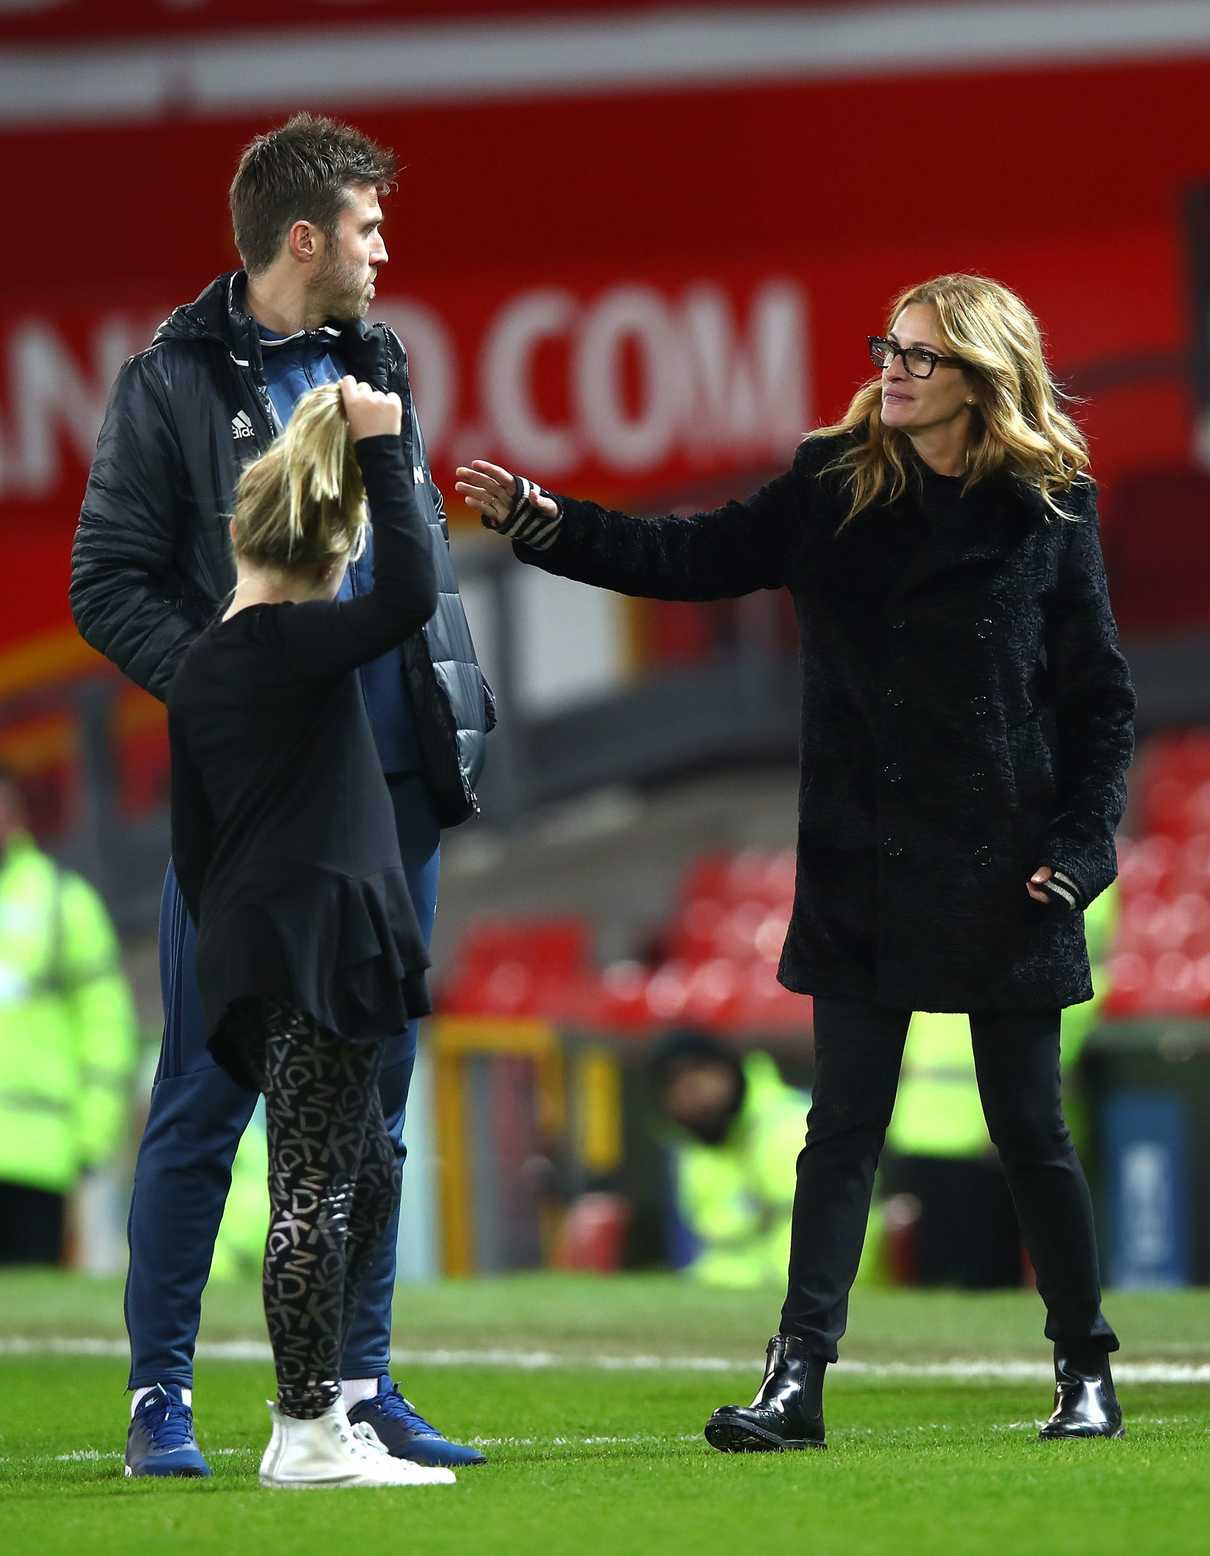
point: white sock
(140, 1394)
(354, 1390)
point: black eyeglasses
(918, 360)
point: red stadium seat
(620, 998)
(1148, 863)
(720, 950)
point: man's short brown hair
(299, 172)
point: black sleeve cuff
(1065, 891)
(383, 447)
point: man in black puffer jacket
(151, 565)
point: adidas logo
(241, 425)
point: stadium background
(635, 252)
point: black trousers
(858, 1052)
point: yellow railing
(586, 1076)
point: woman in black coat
(966, 730)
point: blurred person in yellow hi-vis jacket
(735, 1128)
(67, 1038)
(239, 1249)
(939, 1153)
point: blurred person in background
(151, 567)
(962, 1228)
(239, 1248)
(68, 1039)
(734, 1127)
(967, 725)
(309, 953)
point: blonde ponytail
(301, 506)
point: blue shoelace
(394, 1405)
(169, 1422)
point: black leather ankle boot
(787, 1411)
(1085, 1402)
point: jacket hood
(218, 314)
(764, 1089)
(764, 1092)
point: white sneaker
(406, 1472)
(329, 1452)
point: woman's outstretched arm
(728, 551)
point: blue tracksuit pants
(196, 1118)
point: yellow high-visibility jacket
(67, 1024)
(239, 1249)
(736, 1197)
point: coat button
(892, 848)
(892, 772)
(894, 697)
(984, 627)
(983, 854)
(977, 779)
(980, 705)
(897, 624)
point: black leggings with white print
(334, 1177)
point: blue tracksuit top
(293, 364)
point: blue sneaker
(406, 1435)
(160, 1440)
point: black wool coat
(967, 716)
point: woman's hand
(1035, 880)
(490, 491)
(1047, 885)
(371, 414)
(510, 504)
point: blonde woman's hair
(1019, 424)
(301, 506)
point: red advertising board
(59, 20)
(631, 292)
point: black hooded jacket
(152, 558)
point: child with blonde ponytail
(285, 846)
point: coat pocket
(1020, 711)
(1031, 769)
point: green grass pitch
(589, 1395)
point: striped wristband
(526, 522)
(1062, 889)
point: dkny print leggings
(334, 1178)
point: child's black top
(283, 831)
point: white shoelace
(369, 1439)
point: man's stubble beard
(340, 293)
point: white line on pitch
(1009, 1369)
(635, 1439)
